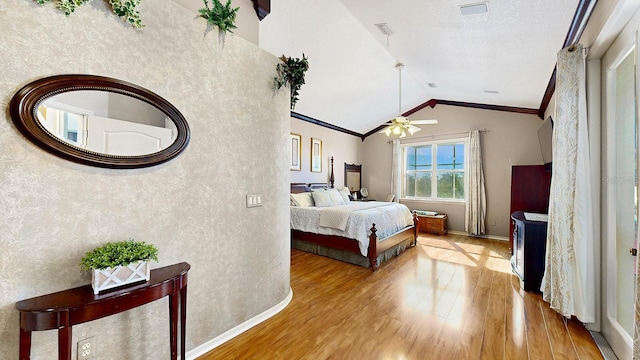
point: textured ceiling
(352, 81)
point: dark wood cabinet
(530, 186)
(436, 224)
(530, 243)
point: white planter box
(121, 275)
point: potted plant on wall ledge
(222, 16)
(119, 263)
(291, 71)
(125, 9)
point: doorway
(620, 183)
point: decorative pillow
(344, 192)
(336, 198)
(302, 199)
(321, 198)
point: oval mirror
(99, 121)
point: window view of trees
(442, 180)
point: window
(434, 170)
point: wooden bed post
(331, 177)
(373, 249)
(416, 220)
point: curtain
(395, 169)
(568, 284)
(476, 201)
(636, 327)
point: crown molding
(325, 124)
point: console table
(62, 310)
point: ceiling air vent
(476, 8)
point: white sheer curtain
(476, 200)
(568, 284)
(636, 327)
(395, 169)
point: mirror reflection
(107, 123)
(353, 177)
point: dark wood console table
(62, 310)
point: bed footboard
(376, 247)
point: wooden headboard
(304, 187)
(299, 188)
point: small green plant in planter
(222, 16)
(125, 9)
(291, 72)
(119, 263)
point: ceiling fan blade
(385, 130)
(423, 122)
(412, 129)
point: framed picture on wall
(296, 150)
(316, 155)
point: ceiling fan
(400, 125)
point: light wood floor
(450, 297)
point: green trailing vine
(125, 9)
(121, 253)
(291, 71)
(222, 16)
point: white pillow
(336, 198)
(344, 192)
(302, 199)
(321, 198)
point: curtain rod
(433, 136)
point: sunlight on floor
(465, 254)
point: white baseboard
(239, 329)
(493, 237)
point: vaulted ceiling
(503, 57)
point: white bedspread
(388, 217)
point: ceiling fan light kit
(400, 125)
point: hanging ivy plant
(222, 16)
(291, 72)
(128, 11)
(125, 9)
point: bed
(361, 233)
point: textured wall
(512, 139)
(192, 208)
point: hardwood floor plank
(493, 340)
(585, 347)
(468, 347)
(450, 297)
(515, 331)
(559, 337)
(536, 329)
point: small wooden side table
(433, 224)
(63, 309)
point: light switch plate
(254, 200)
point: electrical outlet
(87, 348)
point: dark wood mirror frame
(353, 168)
(25, 102)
